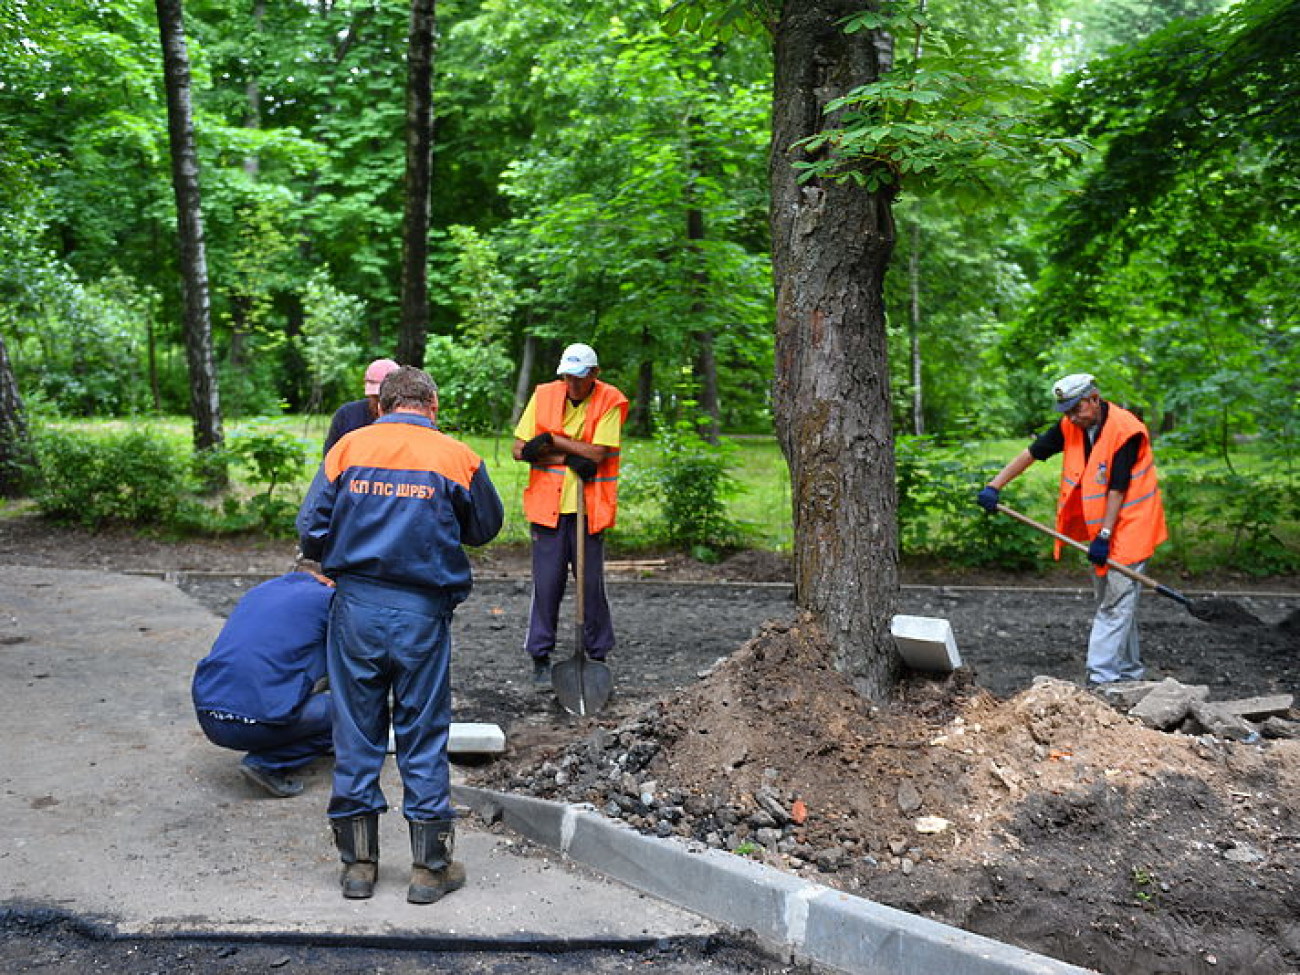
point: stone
(1259, 708)
(909, 799)
(1168, 703)
(1217, 721)
(1280, 728)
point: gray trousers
(1113, 652)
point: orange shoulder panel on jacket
(403, 446)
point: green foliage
(1174, 261)
(474, 388)
(690, 480)
(1217, 517)
(638, 211)
(720, 20)
(939, 117)
(330, 356)
(275, 458)
(937, 515)
(131, 479)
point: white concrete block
(925, 643)
(468, 738)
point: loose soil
(1004, 799)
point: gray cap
(1071, 389)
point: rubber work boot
(433, 872)
(357, 838)
(541, 674)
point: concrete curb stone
(789, 916)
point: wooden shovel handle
(1118, 567)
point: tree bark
(205, 398)
(419, 165)
(640, 419)
(706, 365)
(524, 379)
(914, 327)
(831, 244)
(15, 440)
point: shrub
(938, 518)
(690, 481)
(133, 479)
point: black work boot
(433, 872)
(357, 838)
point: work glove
(1099, 551)
(988, 499)
(532, 451)
(582, 466)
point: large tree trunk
(205, 398)
(15, 442)
(831, 244)
(419, 166)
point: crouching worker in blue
(386, 516)
(261, 687)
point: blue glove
(988, 499)
(532, 450)
(1099, 551)
(584, 467)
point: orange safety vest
(1081, 502)
(545, 484)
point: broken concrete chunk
(1280, 728)
(1125, 695)
(1259, 708)
(931, 824)
(1168, 703)
(1214, 719)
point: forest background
(600, 175)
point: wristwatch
(1104, 534)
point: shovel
(582, 686)
(1221, 611)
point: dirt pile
(1047, 820)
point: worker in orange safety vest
(1109, 497)
(570, 434)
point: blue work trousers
(554, 552)
(388, 654)
(276, 747)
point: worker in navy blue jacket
(260, 689)
(386, 516)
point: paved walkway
(116, 808)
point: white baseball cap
(578, 360)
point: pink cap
(375, 373)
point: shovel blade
(582, 686)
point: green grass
(1206, 507)
(761, 506)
